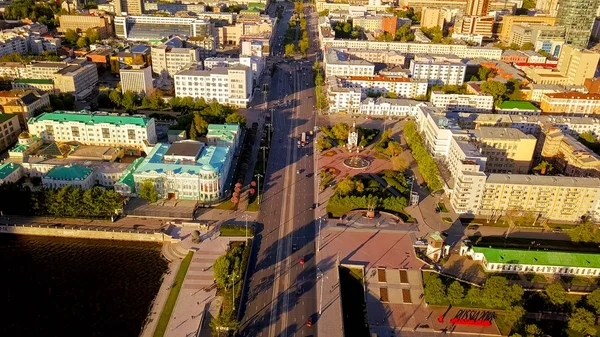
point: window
(383, 295)
(403, 276)
(406, 296)
(381, 275)
(131, 134)
(75, 131)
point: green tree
(593, 300)
(588, 139)
(474, 295)
(544, 167)
(116, 97)
(71, 36)
(582, 321)
(529, 4)
(494, 88)
(585, 232)
(200, 124)
(345, 187)
(456, 292)
(221, 270)
(435, 290)
(497, 293)
(156, 101)
(324, 12)
(340, 131)
(92, 35)
(323, 143)
(193, 134)
(527, 46)
(533, 330)
(147, 191)
(303, 45)
(236, 118)
(556, 293)
(83, 42)
(404, 34)
(512, 315)
(129, 100)
(290, 49)
(386, 37)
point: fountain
(355, 161)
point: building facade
(80, 23)
(577, 16)
(137, 80)
(577, 65)
(571, 103)
(507, 150)
(9, 130)
(438, 71)
(462, 102)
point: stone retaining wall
(86, 233)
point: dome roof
(208, 168)
(25, 135)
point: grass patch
(235, 230)
(442, 207)
(540, 244)
(579, 281)
(381, 156)
(227, 205)
(502, 326)
(447, 220)
(163, 321)
(354, 307)
(253, 206)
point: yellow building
(80, 23)
(432, 17)
(540, 197)
(508, 21)
(23, 103)
(568, 155)
(508, 150)
(576, 64)
(571, 103)
(131, 7)
(9, 130)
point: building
(100, 129)
(577, 16)
(188, 170)
(227, 85)
(71, 175)
(507, 150)
(535, 91)
(476, 7)
(379, 23)
(9, 130)
(255, 63)
(438, 70)
(389, 57)
(474, 25)
(78, 80)
(23, 103)
(577, 65)
(502, 260)
(10, 173)
(437, 131)
(513, 56)
(137, 79)
(247, 28)
(533, 57)
(518, 108)
(138, 55)
(389, 107)
(592, 85)
(170, 57)
(432, 17)
(155, 28)
(103, 24)
(538, 35)
(567, 155)
(571, 103)
(549, 7)
(32, 83)
(340, 63)
(508, 21)
(462, 102)
(129, 7)
(402, 87)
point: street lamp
(263, 148)
(258, 176)
(246, 218)
(319, 236)
(232, 277)
(323, 277)
(269, 125)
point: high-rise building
(577, 64)
(131, 7)
(477, 7)
(432, 17)
(137, 79)
(577, 16)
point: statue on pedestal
(353, 138)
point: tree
(340, 131)
(593, 300)
(324, 12)
(236, 118)
(585, 232)
(345, 186)
(147, 191)
(533, 330)
(556, 293)
(92, 35)
(474, 295)
(588, 139)
(435, 290)
(582, 321)
(116, 97)
(290, 49)
(495, 89)
(456, 292)
(527, 46)
(303, 45)
(193, 134)
(497, 293)
(200, 124)
(71, 36)
(512, 315)
(83, 42)
(221, 270)
(129, 100)
(323, 144)
(528, 4)
(544, 167)
(404, 34)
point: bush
(427, 165)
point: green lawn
(226, 205)
(165, 315)
(442, 207)
(523, 243)
(253, 207)
(447, 220)
(231, 230)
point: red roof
(545, 65)
(574, 95)
(379, 78)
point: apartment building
(382, 106)
(255, 63)
(469, 187)
(380, 23)
(535, 34)
(167, 60)
(101, 129)
(432, 17)
(78, 80)
(475, 25)
(10, 129)
(255, 27)
(145, 28)
(339, 63)
(463, 155)
(437, 130)
(459, 50)
(507, 150)
(577, 65)
(438, 70)
(462, 102)
(227, 85)
(567, 155)
(549, 7)
(32, 83)
(477, 7)
(137, 79)
(544, 197)
(23, 103)
(129, 7)
(378, 84)
(567, 103)
(10, 43)
(103, 24)
(509, 21)
(578, 17)
(389, 57)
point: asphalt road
(281, 294)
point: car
(297, 171)
(309, 322)
(294, 247)
(302, 260)
(557, 230)
(307, 155)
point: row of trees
(427, 165)
(319, 91)
(342, 204)
(36, 11)
(131, 101)
(403, 34)
(90, 36)
(28, 58)
(68, 201)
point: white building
(390, 107)
(231, 85)
(10, 172)
(10, 43)
(255, 63)
(78, 80)
(131, 132)
(437, 131)
(70, 175)
(438, 70)
(340, 63)
(137, 79)
(147, 27)
(462, 102)
(402, 87)
(168, 59)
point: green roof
(541, 258)
(174, 132)
(7, 168)
(127, 177)
(89, 118)
(521, 105)
(5, 117)
(32, 81)
(23, 147)
(256, 5)
(70, 172)
(223, 131)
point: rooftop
(519, 105)
(573, 95)
(542, 258)
(527, 179)
(185, 148)
(86, 117)
(7, 168)
(486, 132)
(6, 117)
(69, 172)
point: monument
(356, 160)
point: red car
(301, 260)
(309, 322)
